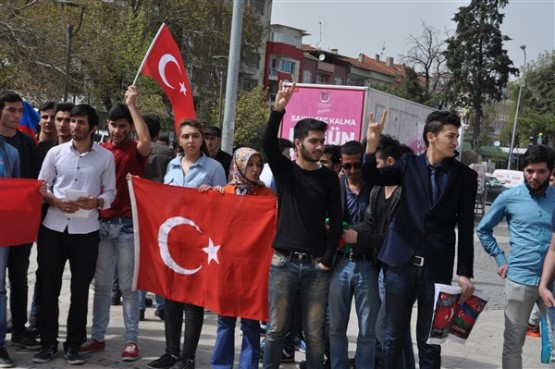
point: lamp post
(70, 32)
(220, 72)
(523, 47)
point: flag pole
(148, 52)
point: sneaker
(91, 345)
(5, 360)
(287, 356)
(130, 352)
(164, 362)
(160, 313)
(46, 353)
(184, 364)
(300, 345)
(72, 355)
(533, 331)
(25, 339)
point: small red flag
(204, 248)
(20, 204)
(164, 64)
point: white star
(182, 88)
(212, 251)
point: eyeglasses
(348, 166)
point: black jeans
(18, 266)
(173, 320)
(54, 249)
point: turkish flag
(20, 204)
(164, 64)
(206, 249)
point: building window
(307, 76)
(273, 66)
(338, 81)
(258, 5)
(321, 79)
(288, 66)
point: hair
(8, 96)
(389, 147)
(120, 111)
(284, 144)
(82, 110)
(308, 124)
(152, 121)
(48, 105)
(334, 152)
(406, 150)
(351, 148)
(63, 106)
(164, 138)
(436, 120)
(538, 154)
(195, 124)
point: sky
(366, 26)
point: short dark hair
(8, 96)
(63, 106)
(284, 144)
(152, 121)
(82, 110)
(120, 111)
(538, 154)
(308, 124)
(351, 148)
(48, 105)
(334, 152)
(164, 138)
(389, 147)
(436, 120)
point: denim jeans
(402, 287)
(4, 255)
(224, 348)
(286, 276)
(519, 302)
(116, 246)
(358, 279)
(160, 301)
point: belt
(357, 256)
(295, 255)
(417, 261)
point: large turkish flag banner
(20, 204)
(206, 249)
(164, 64)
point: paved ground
(483, 349)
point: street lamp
(69, 35)
(523, 47)
(220, 72)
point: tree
(475, 56)
(426, 56)
(410, 88)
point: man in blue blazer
(419, 250)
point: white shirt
(93, 172)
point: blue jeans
(4, 255)
(358, 279)
(402, 287)
(224, 348)
(286, 276)
(116, 247)
(160, 301)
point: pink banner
(341, 108)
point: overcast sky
(366, 25)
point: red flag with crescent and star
(20, 202)
(164, 64)
(206, 249)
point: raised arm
(143, 142)
(373, 132)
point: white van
(510, 178)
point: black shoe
(72, 355)
(5, 360)
(160, 313)
(46, 353)
(148, 302)
(184, 364)
(164, 362)
(288, 356)
(116, 300)
(141, 315)
(25, 339)
(302, 364)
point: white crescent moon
(165, 59)
(163, 233)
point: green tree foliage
(410, 88)
(479, 65)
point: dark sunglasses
(356, 165)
